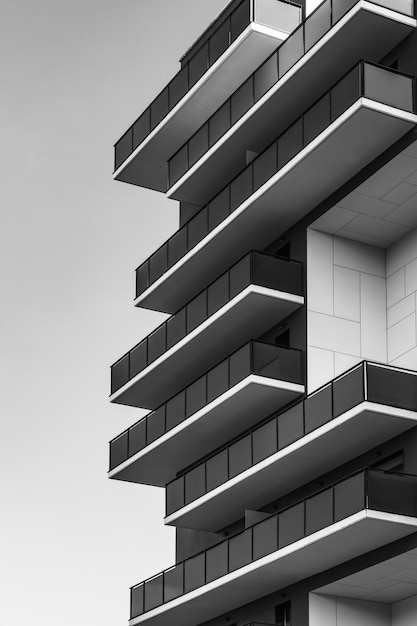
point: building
(283, 388)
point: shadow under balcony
(230, 398)
(357, 411)
(234, 46)
(255, 294)
(367, 111)
(354, 516)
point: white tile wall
(320, 270)
(404, 613)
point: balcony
(247, 386)
(357, 411)
(237, 43)
(367, 111)
(315, 55)
(358, 514)
(252, 296)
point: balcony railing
(367, 80)
(366, 489)
(255, 357)
(254, 268)
(364, 382)
(227, 31)
(318, 23)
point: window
(283, 614)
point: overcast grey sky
(75, 75)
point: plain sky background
(74, 75)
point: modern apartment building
(282, 389)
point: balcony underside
(340, 542)
(331, 445)
(350, 143)
(333, 55)
(226, 417)
(249, 314)
(147, 165)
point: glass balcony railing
(380, 84)
(366, 381)
(255, 357)
(366, 489)
(254, 268)
(201, 60)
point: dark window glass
(217, 380)
(240, 364)
(318, 409)
(349, 496)
(219, 208)
(391, 387)
(177, 246)
(194, 571)
(198, 145)
(242, 100)
(348, 391)
(240, 275)
(283, 614)
(175, 409)
(176, 329)
(138, 358)
(216, 561)
(197, 228)
(136, 601)
(157, 343)
(198, 65)
(290, 425)
(240, 19)
(178, 87)
(345, 93)
(137, 437)
(241, 188)
(264, 441)
(219, 41)
(196, 311)
(291, 525)
(141, 128)
(159, 108)
(173, 582)
(317, 118)
(195, 484)
(319, 511)
(218, 294)
(156, 424)
(175, 495)
(266, 76)
(240, 552)
(340, 7)
(178, 165)
(153, 593)
(265, 166)
(290, 143)
(158, 263)
(317, 25)
(291, 51)
(216, 470)
(142, 279)
(240, 456)
(123, 148)
(120, 373)
(220, 122)
(119, 450)
(196, 396)
(265, 537)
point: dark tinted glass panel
(196, 396)
(123, 148)
(240, 364)
(217, 380)
(317, 118)
(175, 410)
(345, 93)
(176, 329)
(194, 484)
(216, 470)
(290, 143)
(266, 76)
(142, 280)
(173, 583)
(267, 360)
(158, 263)
(138, 358)
(319, 511)
(153, 593)
(393, 493)
(137, 437)
(219, 41)
(197, 228)
(219, 208)
(291, 525)
(216, 561)
(317, 25)
(178, 165)
(218, 294)
(291, 51)
(290, 425)
(349, 496)
(141, 128)
(241, 188)
(391, 387)
(265, 537)
(242, 100)
(196, 311)
(120, 373)
(156, 343)
(265, 166)
(348, 391)
(198, 145)
(119, 450)
(156, 424)
(318, 409)
(198, 65)
(264, 441)
(136, 599)
(159, 108)
(240, 275)
(177, 246)
(388, 87)
(219, 123)
(240, 550)
(240, 456)
(194, 570)
(340, 7)
(178, 87)
(240, 19)
(175, 495)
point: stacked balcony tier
(228, 399)
(234, 46)
(347, 519)
(244, 302)
(324, 47)
(368, 110)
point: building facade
(282, 389)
